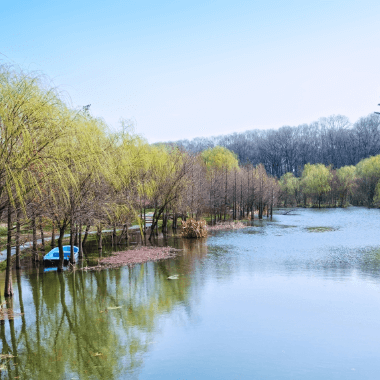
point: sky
(185, 69)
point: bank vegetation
(63, 169)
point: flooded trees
(73, 187)
(28, 131)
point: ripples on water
(296, 298)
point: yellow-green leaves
(30, 124)
(316, 179)
(346, 176)
(369, 168)
(368, 173)
(289, 184)
(220, 158)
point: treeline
(319, 184)
(60, 167)
(63, 168)
(329, 141)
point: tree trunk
(18, 233)
(114, 235)
(42, 236)
(123, 233)
(8, 289)
(86, 234)
(52, 244)
(34, 247)
(164, 223)
(99, 233)
(80, 252)
(76, 235)
(271, 206)
(72, 232)
(153, 226)
(60, 246)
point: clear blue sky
(182, 69)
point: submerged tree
(30, 124)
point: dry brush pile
(194, 228)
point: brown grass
(141, 254)
(194, 228)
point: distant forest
(332, 140)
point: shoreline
(138, 255)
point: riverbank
(139, 255)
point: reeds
(194, 228)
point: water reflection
(92, 324)
(241, 300)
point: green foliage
(31, 120)
(368, 173)
(346, 182)
(289, 184)
(369, 168)
(220, 158)
(316, 180)
(346, 176)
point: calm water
(280, 300)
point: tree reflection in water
(91, 324)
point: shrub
(194, 228)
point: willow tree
(316, 180)
(82, 159)
(128, 172)
(29, 127)
(92, 166)
(290, 186)
(346, 182)
(368, 174)
(167, 179)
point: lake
(293, 298)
